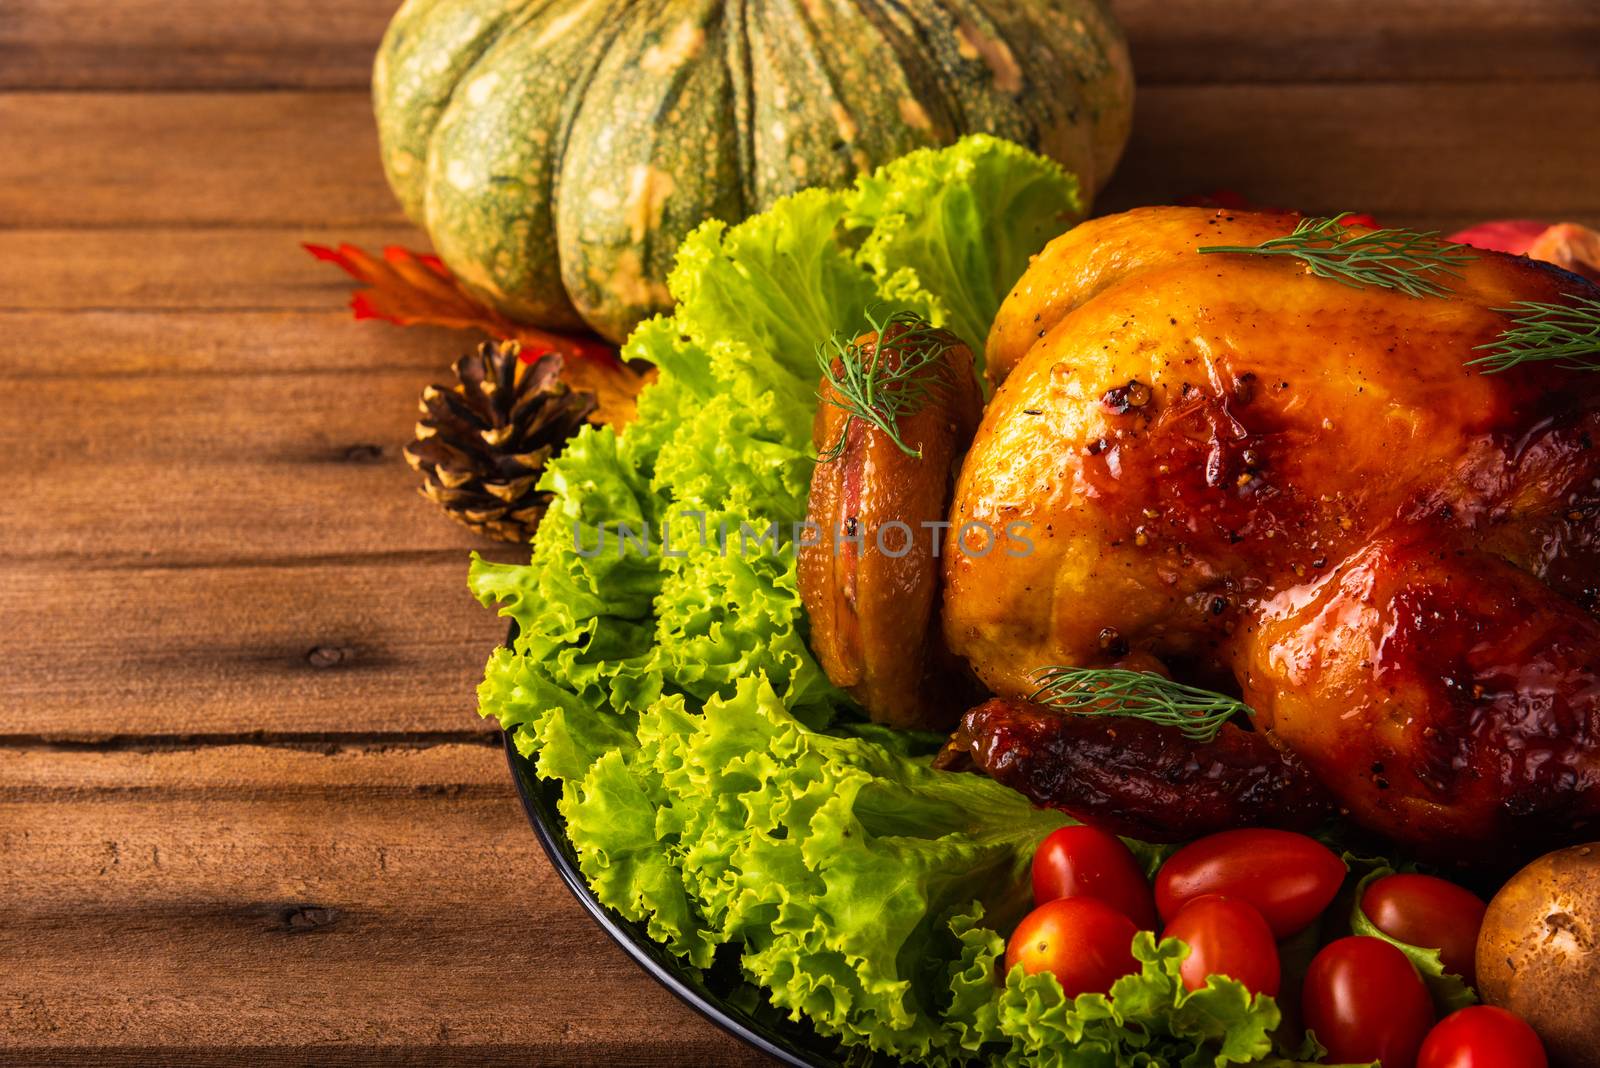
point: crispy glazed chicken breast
(1271, 483)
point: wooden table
(247, 812)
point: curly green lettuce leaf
(1450, 991)
(708, 786)
(1149, 1018)
(598, 489)
(734, 613)
(949, 231)
(729, 453)
(551, 724)
(832, 860)
(777, 284)
(611, 816)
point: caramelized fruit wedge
(869, 574)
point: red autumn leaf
(1502, 235)
(408, 288)
(412, 288)
(1567, 245)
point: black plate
(719, 993)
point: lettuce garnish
(1449, 990)
(714, 783)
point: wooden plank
(174, 469)
(1291, 41)
(96, 344)
(231, 270)
(353, 496)
(1451, 152)
(242, 904)
(42, 774)
(172, 434)
(389, 645)
(175, 44)
(1441, 155)
(207, 159)
(201, 44)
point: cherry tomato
(1288, 877)
(1420, 910)
(1366, 1003)
(1084, 862)
(1226, 936)
(1482, 1037)
(1085, 942)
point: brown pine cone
(483, 443)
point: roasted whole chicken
(1224, 469)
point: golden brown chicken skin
(1282, 486)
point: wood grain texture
(1433, 155)
(1439, 154)
(174, 44)
(144, 269)
(90, 343)
(369, 645)
(249, 905)
(180, 440)
(254, 44)
(169, 468)
(195, 159)
(1291, 41)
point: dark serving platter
(718, 993)
(539, 797)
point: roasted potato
(1539, 952)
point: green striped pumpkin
(557, 151)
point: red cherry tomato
(1084, 862)
(1420, 910)
(1085, 942)
(1226, 936)
(1288, 877)
(1482, 1037)
(1366, 1003)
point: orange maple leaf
(411, 288)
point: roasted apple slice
(892, 422)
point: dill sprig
(1411, 261)
(867, 388)
(1198, 713)
(1567, 333)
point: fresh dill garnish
(1568, 333)
(1411, 261)
(868, 388)
(1198, 713)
